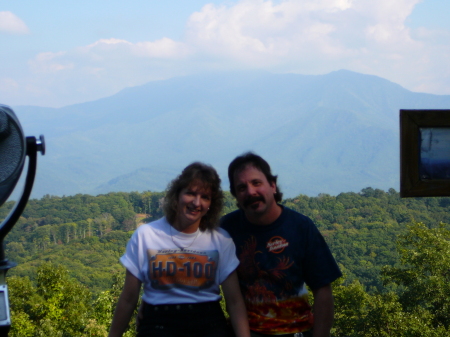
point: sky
(57, 53)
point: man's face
(254, 194)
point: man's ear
(274, 186)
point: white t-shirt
(173, 275)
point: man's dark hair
(205, 176)
(249, 158)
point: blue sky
(56, 53)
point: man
(280, 251)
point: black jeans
(184, 320)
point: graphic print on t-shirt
(277, 244)
(189, 269)
(273, 303)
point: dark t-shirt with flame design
(275, 263)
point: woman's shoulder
(152, 226)
(220, 234)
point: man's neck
(265, 218)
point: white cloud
(8, 84)
(300, 36)
(318, 36)
(108, 56)
(10, 23)
(273, 33)
(164, 48)
(108, 42)
(48, 63)
(101, 69)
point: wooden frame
(414, 124)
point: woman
(181, 259)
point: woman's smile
(193, 204)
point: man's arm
(323, 311)
(127, 303)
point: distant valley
(330, 133)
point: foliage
(68, 250)
(57, 306)
(359, 314)
(424, 276)
(87, 234)
(361, 228)
(421, 305)
(60, 306)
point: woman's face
(193, 204)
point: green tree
(105, 304)
(359, 314)
(56, 306)
(424, 276)
(421, 304)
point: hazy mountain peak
(322, 134)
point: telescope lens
(12, 151)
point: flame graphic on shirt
(269, 312)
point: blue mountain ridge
(329, 133)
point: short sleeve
(132, 259)
(228, 261)
(320, 266)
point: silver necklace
(176, 244)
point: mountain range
(331, 133)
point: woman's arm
(235, 306)
(125, 306)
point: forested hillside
(85, 236)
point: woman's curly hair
(196, 174)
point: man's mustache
(251, 200)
